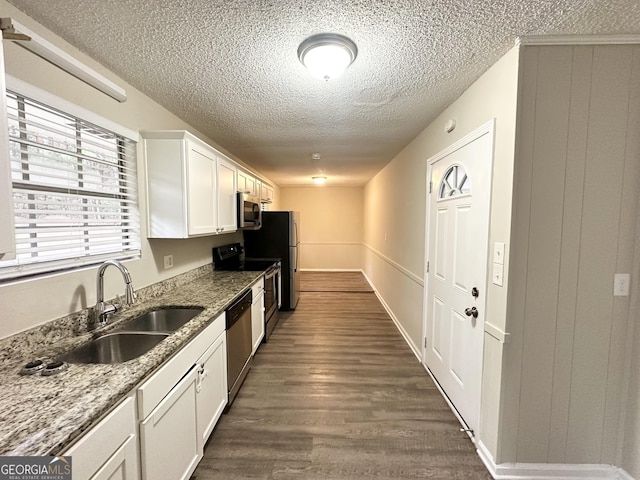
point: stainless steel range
(230, 257)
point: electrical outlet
(621, 284)
(168, 261)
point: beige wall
(554, 392)
(29, 303)
(331, 225)
(577, 183)
(395, 203)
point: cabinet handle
(202, 373)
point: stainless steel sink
(161, 320)
(114, 348)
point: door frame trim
(487, 128)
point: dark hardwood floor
(334, 282)
(337, 394)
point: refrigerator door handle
(296, 243)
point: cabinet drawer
(151, 392)
(257, 288)
(101, 442)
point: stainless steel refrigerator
(279, 237)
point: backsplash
(78, 323)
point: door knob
(471, 312)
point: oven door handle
(271, 273)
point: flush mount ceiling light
(319, 180)
(327, 55)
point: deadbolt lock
(475, 293)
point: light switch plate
(498, 272)
(498, 253)
(621, 284)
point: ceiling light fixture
(319, 180)
(327, 55)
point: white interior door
(457, 254)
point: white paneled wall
(577, 170)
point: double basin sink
(134, 338)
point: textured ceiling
(229, 67)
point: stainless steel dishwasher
(238, 343)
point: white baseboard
(414, 348)
(330, 270)
(549, 471)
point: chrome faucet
(102, 309)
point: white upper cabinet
(226, 204)
(191, 188)
(199, 189)
(247, 183)
(266, 193)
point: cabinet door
(257, 314)
(226, 204)
(123, 465)
(267, 193)
(257, 320)
(242, 182)
(212, 387)
(169, 443)
(251, 185)
(201, 174)
(258, 189)
(101, 445)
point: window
(74, 190)
(454, 182)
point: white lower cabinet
(159, 430)
(121, 465)
(110, 449)
(212, 387)
(257, 314)
(169, 443)
(180, 403)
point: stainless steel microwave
(249, 212)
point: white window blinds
(74, 191)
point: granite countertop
(43, 415)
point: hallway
(337, 394)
